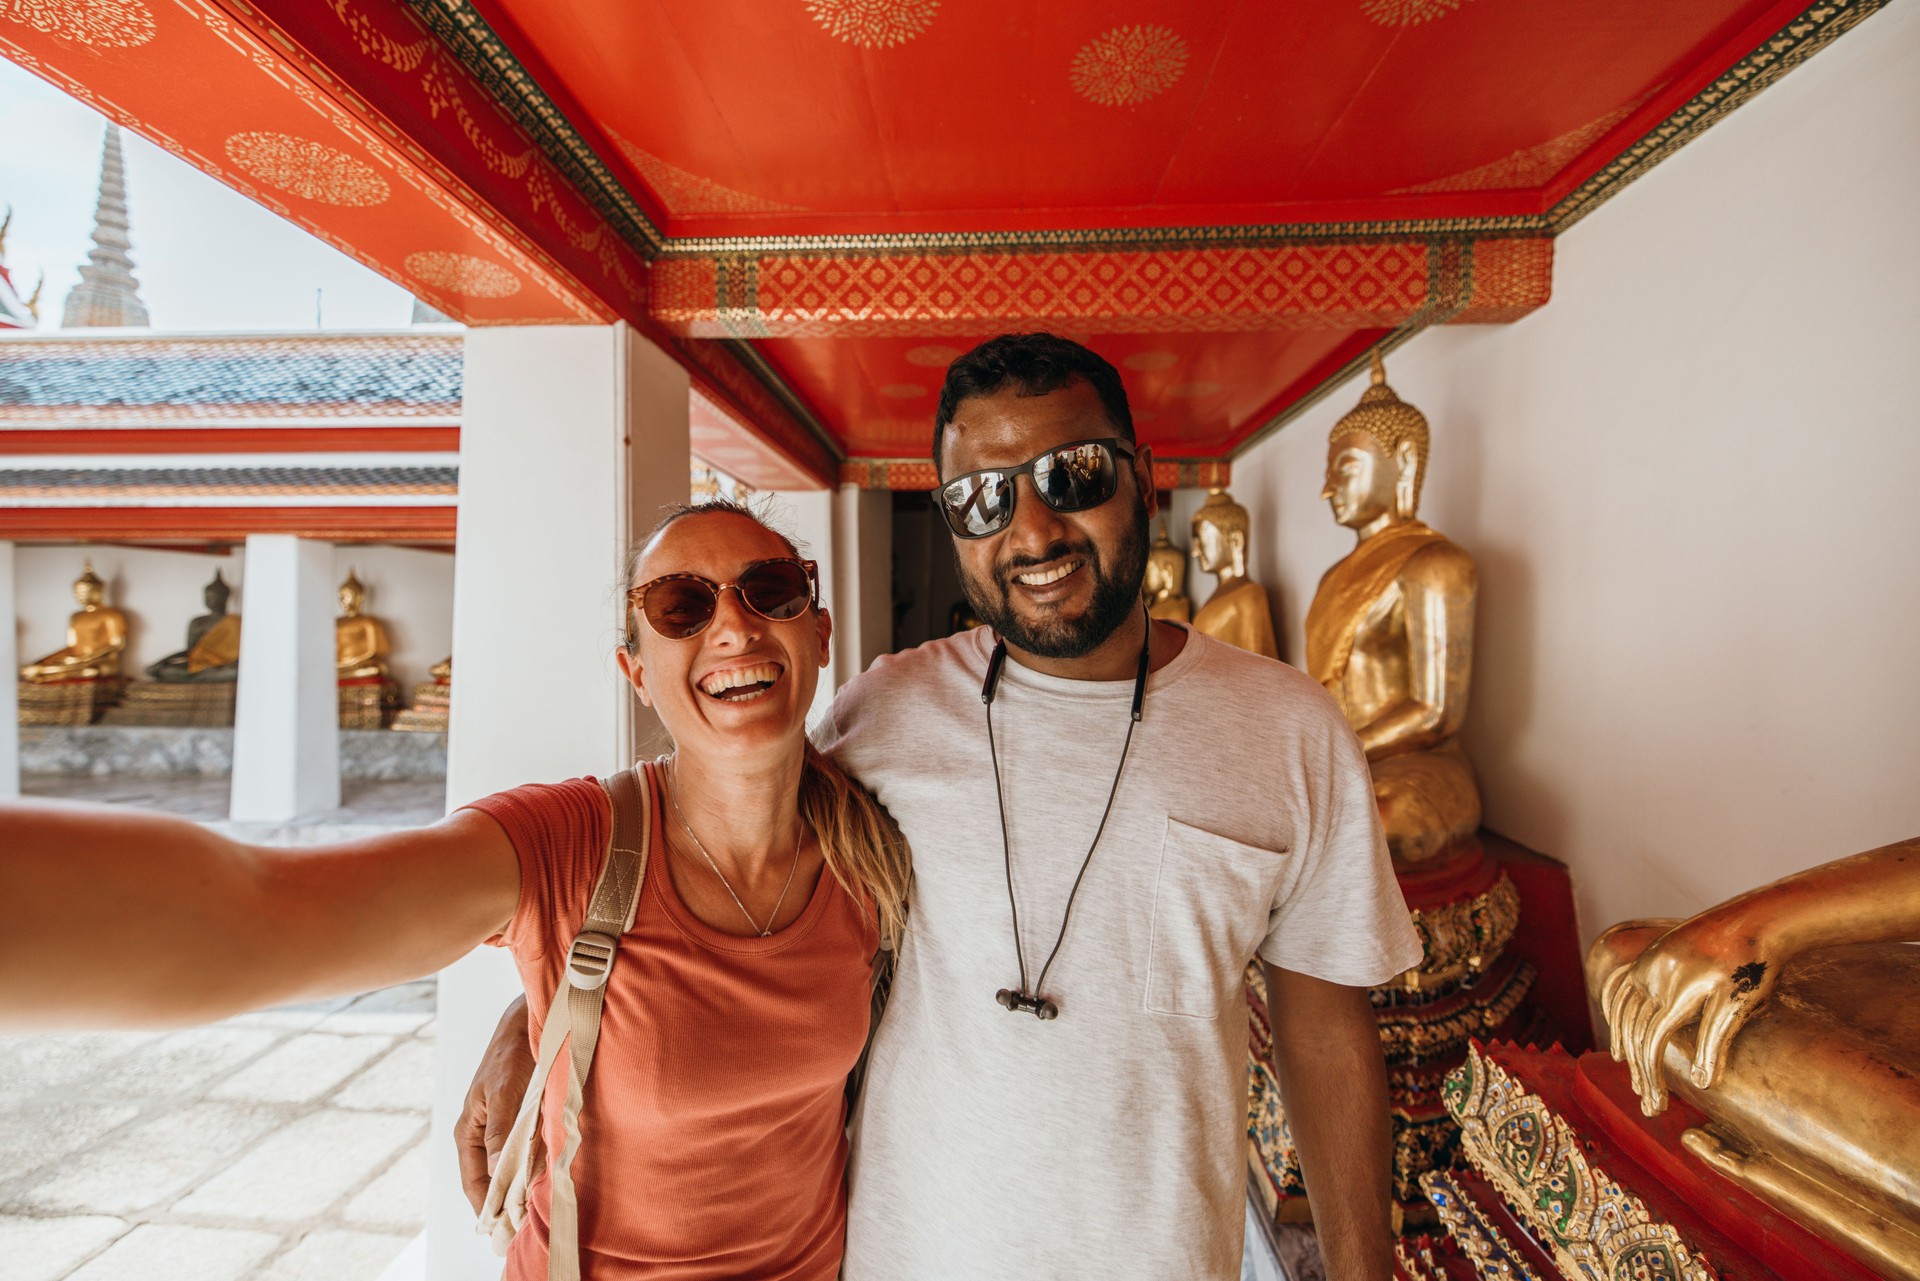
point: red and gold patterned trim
(226, 524)
(1339, 284)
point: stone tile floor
(286, 1145)
(363, 803)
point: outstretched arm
(1333, 1088)
(114, 917)
(1722, 965)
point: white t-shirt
(1111, 1141)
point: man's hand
(493, 1100)
(1333, 1090)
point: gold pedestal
(191, 704)
(428, 715)
(368, 704)
(68, 702)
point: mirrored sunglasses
(1068, 478)
(678, 606)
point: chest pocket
(1210, 911)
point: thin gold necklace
(773, 916)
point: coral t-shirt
(713, 1134)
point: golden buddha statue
(1237, 612)
(1165, 586)
(213, 643)
(1787, 1016)
(360, 641)
(1390, 630)
(96, 637)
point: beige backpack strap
(574, 1019)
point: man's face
(1054, 584)
(1360, 480)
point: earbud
(1039, 1006)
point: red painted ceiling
(766, 117)
(1232, 199)
(829, 118)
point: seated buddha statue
(213, 643)
(360, 641)
(1166, 582)
(1237, 612)
(1390, 630)
(1786, 1015)
(96, 637)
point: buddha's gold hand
(1717, 968)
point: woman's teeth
(740, 684)
(1045, 577)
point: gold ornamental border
(1485, 1246)
(1591, 1225)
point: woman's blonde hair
(862, 845)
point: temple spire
(107, 293)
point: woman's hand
(1718, 967)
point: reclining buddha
(1788, 1016)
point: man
(1058, 1088)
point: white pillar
(9, 689)
(286, 718)
(807, 514)
(863, 578)
(571, 439)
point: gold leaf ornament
(1128, 65)
(873, 24)
(103, 24)
(308, 169)
(1407, 13)
(462, 274)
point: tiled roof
(46, 377)
(27, 483)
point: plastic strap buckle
(590, 959)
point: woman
(739, 1001)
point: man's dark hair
(1035, 364)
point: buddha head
(353, 594)
(1166, 567)
(1220, 531)
(217, 594)
(88, 589)
(1376, 457)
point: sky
(206, 256)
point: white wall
(409, 589)
(1690, 485)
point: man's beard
(1116, 596)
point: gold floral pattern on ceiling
(873, 24)
(1532, 167)
(308, 169)
(682, 193)
(462, 274)
(105, 24)
(1128, 65)
(1407, 13)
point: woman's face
(745, 681)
